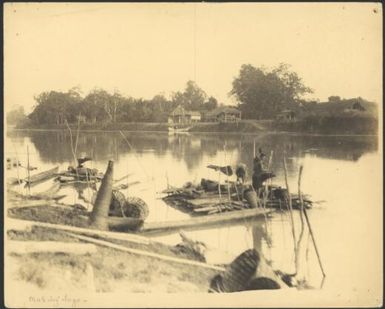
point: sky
(142, 50)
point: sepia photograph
(193, 155)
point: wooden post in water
(219, 186)
(72, 146)
(28, 172)
(17, 165)
(77, 135)
(227, 174)
(99, 214)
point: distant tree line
(55, 107)
(260, 93)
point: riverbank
(324, 125)
(107, 270)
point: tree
(98, 106)
(192, 98)
(334, 98)
(55, 107)
(211, 104)
(16, 115)
(261, 93)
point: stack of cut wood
(211, 208)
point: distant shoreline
(245, 127)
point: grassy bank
(331, 125)
(233, 127)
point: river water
(342, 173)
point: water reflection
(331, 165)
(54, 147)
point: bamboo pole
(266, 183)
(227, 174)
(300, 238)
(303, 210)
(290, 208)
(72, 146)
(132, 148)
(301, 205)
(219, 186)
(17, 165)
(12, 223)
(77, 135)
(314, 243)
(28, 172)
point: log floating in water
(203, 221)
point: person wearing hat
(259, 174)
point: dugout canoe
(42, 176)
(200, 222)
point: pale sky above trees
(146, 49)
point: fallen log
(26, 247)
(203, 221)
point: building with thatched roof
(182, 116)
(223, 114)
(286, 115)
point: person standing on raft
(260, 175)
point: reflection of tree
(54, 147)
